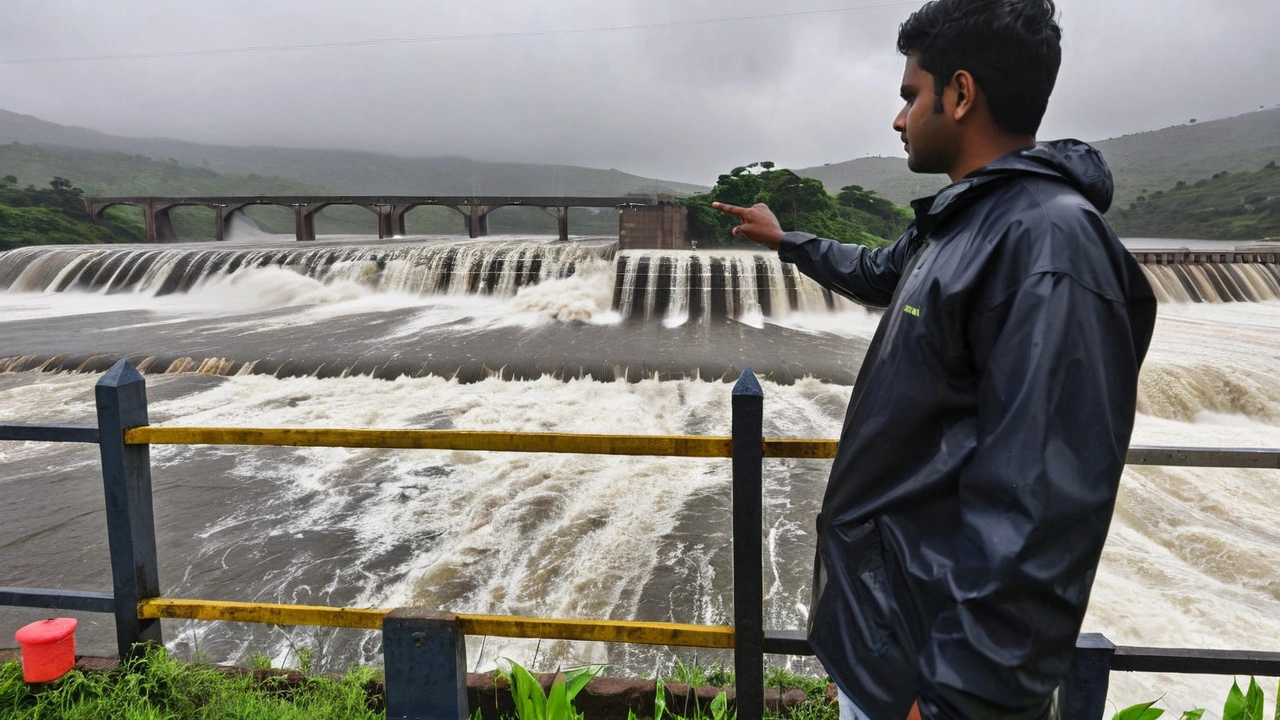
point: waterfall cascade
(489, 267)
(1215, 282)
(678, 286)
(668, 285)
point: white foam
(1190, 560)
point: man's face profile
(926, 133)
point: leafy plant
(305, 657)
(532, 703)
(1240, 705)
(1243, 706)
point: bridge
(644, 221)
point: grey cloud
(683, 103)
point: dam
(524, 334)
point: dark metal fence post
(425, 658)
(748, 572)
(131, 530)
(1083, 694)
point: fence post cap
(747, 384)
(1094, 641)
(120, 374)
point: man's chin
(917, 165)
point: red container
(48, 649)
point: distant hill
(117, 173)
(348, 172)
(1227, 206)
(887, 176)
(1141, 163)
(1150, 161)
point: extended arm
(1058, 384)
(861, 274)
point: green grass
(157, 687)
(22, 226)
(815, 707)
(697, 675)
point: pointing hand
(759, 224)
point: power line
(445, 38)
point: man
(977, 469)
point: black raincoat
(977, 470)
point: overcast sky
(816, 82)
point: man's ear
(966, 94)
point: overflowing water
(534, 336)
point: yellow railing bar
(642, 633)
(275, 614)
(673, 446)
(436, 440)
(623, 631)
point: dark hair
(1011, 47)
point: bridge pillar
(158, 223)
(222, 218)
(478, 221)
(661, 226)
(386, 225)
(397, 219)
(304, 222)
(562, 223)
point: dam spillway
(442, 268)
(677, 286)
(671, 286)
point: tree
(879, 215)
(800, 203)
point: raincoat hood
(1073, 162)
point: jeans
(849, 709)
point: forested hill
(1141, 163)
(56, 215)
(113, 173)
(348, 172)
(1226, 206)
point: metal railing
(424, 651)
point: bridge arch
(155, 213)
(391, 211)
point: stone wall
(653, 227)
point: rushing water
(531, 336)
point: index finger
(730, 209)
